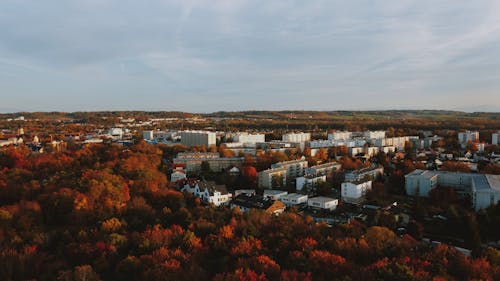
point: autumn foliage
(106, 212)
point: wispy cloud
(224, 55)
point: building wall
(296, 137)
(191, 138)
(495, 138)
(355, 191)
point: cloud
(223, 55)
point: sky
(206, 56)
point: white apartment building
(340, 135)
(355, 191)
(192, 161)
(294, 199)
(322, 169)
(372, 172)
(321, 202)
(309, 181)
(483, 189)
(294, 168)
(374, 134)
(495, 138)
(465, 137)
(246, 138)
(296, 137)
(267, 177)
(331, 143)
(191, 138)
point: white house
(208, 192)
(293, 199)
(322, 202)
(274, 194)
(354, 191)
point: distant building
(294, 199)
(321, 202)
(323, 169)
(495, 138)
(374, 134)
(296, 137)
(372, 172)
(340, 135)
(309, 181)
(246, 202)
(294, 168)
(247, 138)
(483, 189)
(269, 177)
(355, 191)
(193, 161)
(465, 137)
(191, 138)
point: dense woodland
(107, 212)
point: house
(274, 194)
(208, 192)
(246, 202)
(321, 202)
(354, 191)
(294, 199)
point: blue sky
(204, 56)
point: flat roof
(322, 199)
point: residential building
(483, 189)
(372, 172)
(355, 191)
(272, 178)
(322, 169)
(374, 134)
(465, 137)
(321, 202)
(294, 168)
(294, 199)
(208, 192)
(495, 138)
(247, 138)
(274, 194)
(191, 138)
(246, 202)
(296, 137)
(309, 181)
(339, 135)
(193, 161)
